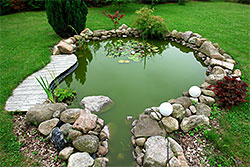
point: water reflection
(85, 54)
(84, 58)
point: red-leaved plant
(17, 4)
(114, 18)
(230, 91)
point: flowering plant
(114, 18)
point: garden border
(219, 64)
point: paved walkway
(29, 92)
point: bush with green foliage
(244, 1)
(66, 16)
(12, 6)
(151, 26)
(97, 3)
(182, 2)
(119, 2)
(65, 95)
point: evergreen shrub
(67, 17)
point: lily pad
(121, 61)
(127, 61)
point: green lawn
(25, 39)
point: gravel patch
(34, 145)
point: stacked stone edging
(80, 136)
(148, 136)
(188, 112)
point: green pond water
(133, 86)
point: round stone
(195, 91)
(166, 109)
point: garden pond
(135, 75)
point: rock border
(188, 112)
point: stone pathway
(29, 92)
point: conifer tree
(67, 17)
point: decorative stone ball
(166, 109)
(195, 91)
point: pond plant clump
(132, 50)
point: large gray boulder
(80, 160)
(208, 92)
(65, 47)
(146, 127)
(86, 32)
(175, 147)
(170, 123)
(212, 79)
(184, 101)
(207, 100)
(178, 111)
(203, 109)
(86, 121)
(73, 134)
(66, 152)
(208, 49)
(217, 70)
(186, 35)
(47, 126)
(87, 143)
(157, 149)
(194, 121)
(96, 103)
(215, 62)
(70, 115)
(98, 33)
(43, 112)
(65, 128)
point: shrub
(244, 1)
(96, 3)
(65, 95)
(17, 5)
(119, 2)
(230, 91)
(66, 16)
(5, 7)
(181, 2)
(36, 4)
(150, 25)
(11, 6)
(114, 18)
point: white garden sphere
(166, 109)
(195, 91)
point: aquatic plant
(132, 50)
(45, 85)
(65, 95)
